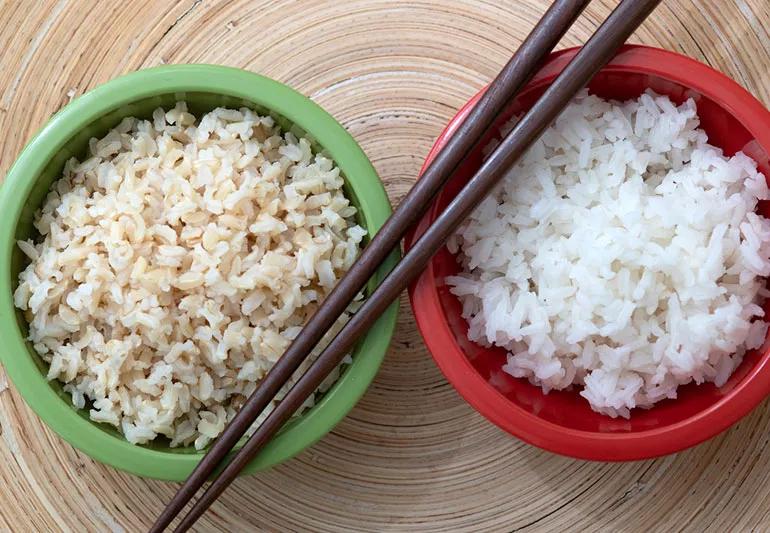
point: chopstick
(511, 79)
(594, 55)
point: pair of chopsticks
(596, 53)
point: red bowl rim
(550, 436)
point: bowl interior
(567, 408)
(203, 87)
(198, 104)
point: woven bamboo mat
(412, 456)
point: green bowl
(203, 87)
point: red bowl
(562, 421)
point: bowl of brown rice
(165, 237)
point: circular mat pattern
(412, 456)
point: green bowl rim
(361, 178)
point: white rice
(178, 262)
(623, 254)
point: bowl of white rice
(165, 237)
(608, 300)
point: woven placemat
(412, 456)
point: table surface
(412, 455)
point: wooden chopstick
(596, 53)
(514, 76)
